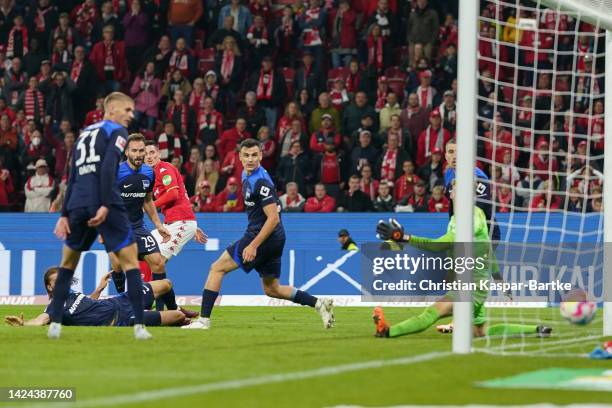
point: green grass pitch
(247, 355)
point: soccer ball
(577, 309)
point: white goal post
(596, 12)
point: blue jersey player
(93, 205)
(261, 246)
(83, 310)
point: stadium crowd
(353, 101)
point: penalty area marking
(152, 395)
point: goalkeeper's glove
(391, 230)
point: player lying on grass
(82, 310)
(393, 230)
(261, 247)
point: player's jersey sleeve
(265, 192)
(169, 178)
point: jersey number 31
(87, 148)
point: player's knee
(157, 265)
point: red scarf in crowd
(212, 91)
(425, 96)
(208, 120)
(75, 72)
(30, 105)
(370, 188)
(179, 60)
(227, 65)
(184, 108)
(265, 85)
(375, 51)
(85, 18)
(381, 100)
(387, 170)
(165, 143)
(196, 102)
(10, 48)
(60, 58)
(439, 139)
(39, 20)
(352, 82)
(312, 36)
(17, 79)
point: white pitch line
(152, 395)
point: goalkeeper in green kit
(393, 231)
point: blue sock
(134, 282)
(119, 281)
(208, 301)
(60, 294)
(303, 298)
(168, 299)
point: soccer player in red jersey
(170, 195)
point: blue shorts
(125, 315)
(147, 245)
(115, 230)
(267, 262)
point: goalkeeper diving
(393, 231)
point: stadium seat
(396, 79)
(334, 73)
(206, 60)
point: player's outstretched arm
(151, 211)
(40, 320)
(272, 220)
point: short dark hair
(47, 277)
(452, 140)
(248, 143)
(136, 137)
(151, 143)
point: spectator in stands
(108, 58)
(228, 62)
(270, 89)
(268, 149)
(32, 101)
(294, 134)
(208, 173)
(176, 81)
(59, 99)
(346, 242)
(377, 50)
(312, 23)
(385, 18)
(323, 109)
(390, 163)
(61, 58)
(180, 114)
(62, 151)
(35, 149)
(190, 169)
(438, 201)
(426, 94)
(367, 183)
(232, 137)
(295, 167)
(392, 107)
(136, 24)
(230, 199)
(448, 67)
(211, 88)
(435, 136)
(83, 74)
(404, 185)
(227, 30)
(160, 55)
(338, 95)
(181, 59)
(326, 133)
(547, 199)
(182, 17)
(285, 37)
(597, 205)
(6, 188)
(542, 164)
(96, 114)
(45, 18)
(258, 40)
(38, 189)
(424, 25)
(448, 111)
(505, 197)
(242, 16)
(432, 171)
(34, 58)
(15, 82)
(414, 118)
(107, 17)
(416, 202)
(292, 200)
(197, 94)
(354, 200)
(254, 114)
(395, 127)
(231, 166)
(308, 77)
(17, 41)
(384, 202)
(343, 34)
(209, 124)
(330, 167)
(586, 179)
(292, 112)
(305, 104)
(169, 142)
(320, 202)
(352, 114)
(365, 153)
(509, 173)
(204, 200)
(576, 201)
(146, 91)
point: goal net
(540, 141)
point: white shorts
(181, 232)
